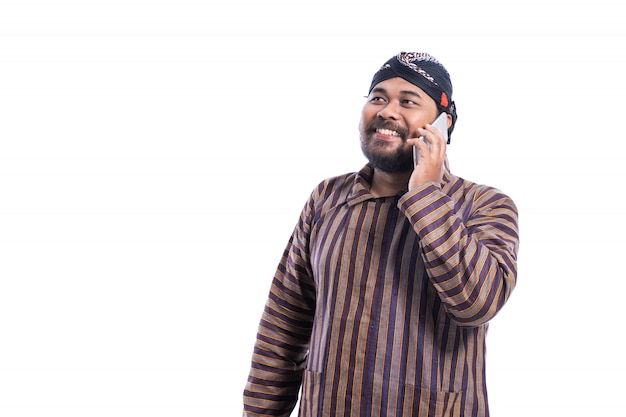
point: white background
(155, 155)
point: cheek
(366, 119)
(420, 122)
(369, 111)
(413, 133)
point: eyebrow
(403, 92)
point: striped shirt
(379, 306)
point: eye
(376, 99)
(408, 102)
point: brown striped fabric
(379, 306)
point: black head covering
(424, 71)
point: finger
(419, 143)
(428, 135)
(414, 141)
(436, 140)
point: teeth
(387, 132)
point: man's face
(394, 110)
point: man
(380, 304)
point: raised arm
(469, 247)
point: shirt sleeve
(471, 255)
(282, 342)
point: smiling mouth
(387, 132)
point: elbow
(477, 309)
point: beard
(383, 155)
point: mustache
(383, 124)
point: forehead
(397, 85)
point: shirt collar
(360, 191)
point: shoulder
(471, 196)
(329, 194)
(335, 188)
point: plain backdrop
(155, 155)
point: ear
(449, 120)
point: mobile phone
(441, 123)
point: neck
(385, 184)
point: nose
(390, 111)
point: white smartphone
(441, 123)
